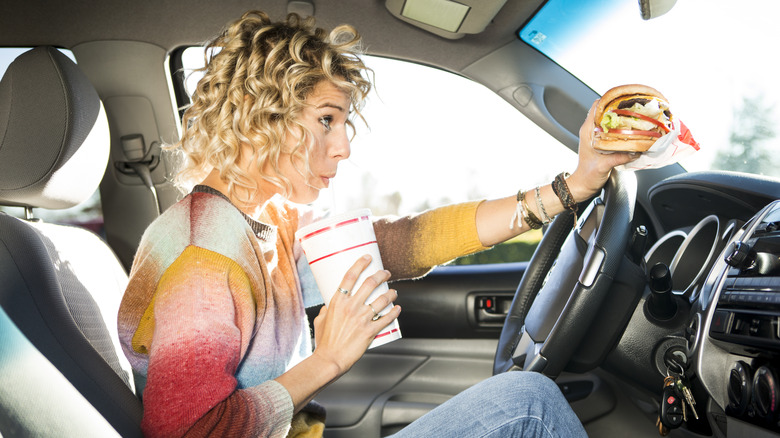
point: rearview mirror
(655, 8)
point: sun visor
(448, 19)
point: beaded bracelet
(540, 206)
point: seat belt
(140, 162)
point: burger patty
(626, 104)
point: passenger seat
(62, 372)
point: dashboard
(717, 311)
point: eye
(326, 121)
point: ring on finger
(344, 291)
(376, 314)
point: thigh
(511, 404)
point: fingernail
(367, 257)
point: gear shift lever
(661, 304)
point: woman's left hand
(593, 167)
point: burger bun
(622, 145)
(611, 141)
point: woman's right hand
(345, 327)
(593, 167)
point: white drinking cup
(332, 245)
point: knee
(537, 396)
(529, 387)
(525, 381)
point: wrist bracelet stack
(523, 213)
(561, 190)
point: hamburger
(630, 118)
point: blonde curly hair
(258, 74)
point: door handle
(489, 309)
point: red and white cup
(332, 245)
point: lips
(326, 179)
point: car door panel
(444, 350)
(393, 385)
(446, 302)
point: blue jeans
(512, 404)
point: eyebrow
(330, 105)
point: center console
(746, 321)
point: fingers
(348, 323)
(318, 320)
(362, 296)
(592, 112)
(349, 287)
(370, 283)
(624, 157)
(388, 317)
(586, 130)
(381, 303)
(350, 278)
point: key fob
(671, 408)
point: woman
(214, 314)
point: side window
(433, 138)
(88, 214)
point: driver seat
(62, 372)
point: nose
(339, 147)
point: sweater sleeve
(410, 246)
(202, 317)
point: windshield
(711, 59)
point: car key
(662, 430)
(672, 412)
(682, 386)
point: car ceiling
(174, 23)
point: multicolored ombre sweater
(214, 309)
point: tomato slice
(630, 132)
(622, 112)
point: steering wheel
(566, 282)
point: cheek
(317, 156)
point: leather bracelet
(561, 190)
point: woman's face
(326, 117)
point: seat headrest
(54, 136)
